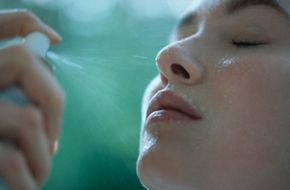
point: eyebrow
(237, 5)
(232, 7)
(188, 19)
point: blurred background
(104, 63)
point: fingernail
(58, 36)
(53, 148)
(56, 41)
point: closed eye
(247, 44)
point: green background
(98, 147)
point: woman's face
(219, 118)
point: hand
(33, 130)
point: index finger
(20, 22)
(19, 66)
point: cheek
(254, 87)
(251, 117)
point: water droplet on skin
(228, 62)
(225, 62)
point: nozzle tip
(38, 43)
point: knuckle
(57, 99)
(27, 15)
(32, 118)
(29, 20)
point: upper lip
(167, 100)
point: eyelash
(246, 44)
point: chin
(160, 169)
(153, 176)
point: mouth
(165, 106)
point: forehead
(232, 5)
(229, 7)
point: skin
(242, 91)
(35, 128)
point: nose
(177, 65)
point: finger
(39, 84)
(14, 170)
(24, 127)
(20, 22)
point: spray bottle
(38, 43)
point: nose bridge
(179, 63)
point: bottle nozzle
(38, 43)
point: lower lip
(169, 116)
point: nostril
(180, 71)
